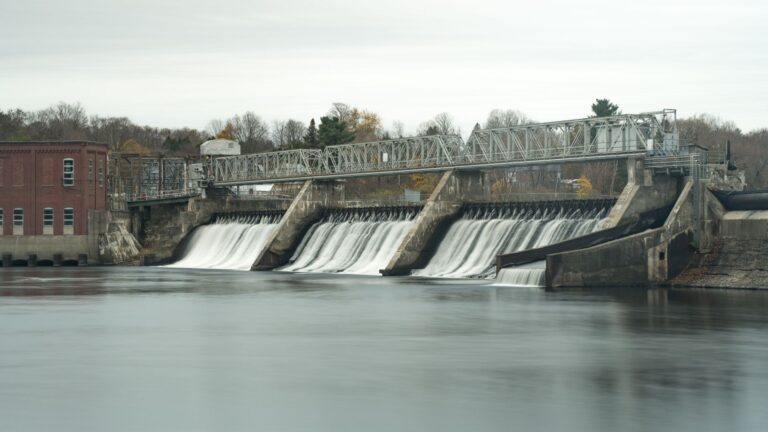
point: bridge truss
(137, 178)
(571, 140)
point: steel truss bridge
(588, 139)
(143, 179)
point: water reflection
(217, 350)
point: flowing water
(230, 242)
(471, 244)
(164, 349)
(524, 275)
(352, 241)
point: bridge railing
(161, 195)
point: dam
(661, 222)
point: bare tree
(278, 134)
(214, 127)
(60, 121)
(506, 118)
(294, 133)
(343, 111)
(446, 125)
(251, 132)
(111, 130)
(398, 129)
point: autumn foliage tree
(585, 187)
(132, 146)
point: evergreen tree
(605, 108)
(333, 131)
(310, 138)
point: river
(159, 349)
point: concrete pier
(644, 192)
(442, 208)
(305, 209)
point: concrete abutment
(306, 208)
(443, 207)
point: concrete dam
(365, 240)
(663, 225)
(654, 232)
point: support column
(643, 192)
(442, 208)
(305, 209)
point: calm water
(141, 349)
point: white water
(525, 275)
(231, 243)
(356, 242)
(470, 246)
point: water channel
(163, 349)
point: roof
(49, 142)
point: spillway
(470, 245)
(230, 242)
(356, 241)
(525, 275)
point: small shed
(220, 147)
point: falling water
(524, 275)
(231, 242)
(360, 241)
(470, 246)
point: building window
(90, 170)
(48, 220)
(101, 173)
(69, 220)
(18, 221)
(1, 221)
(69, 172)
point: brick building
(47, 188)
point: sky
(182, 63)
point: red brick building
(47, 188)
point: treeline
(341, 124)
(749, 151)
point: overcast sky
(181, 63)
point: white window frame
(68, 174)
(90, 170)
(69, 220)
(101, 173)
(18, 221)
(48, 220)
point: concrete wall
(745, 225)
(44, 248)
(736, 256)
(305, 209)
(442, 207)
(644, 258)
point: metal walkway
(534, 144)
